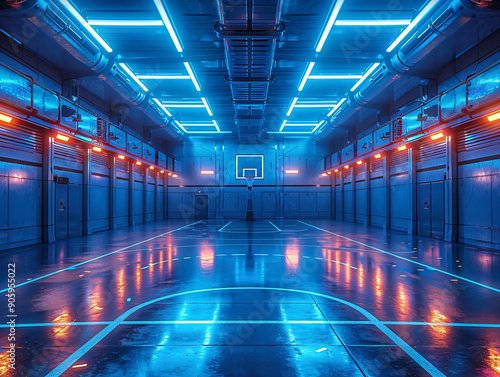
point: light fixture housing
(378, 155)
(292, 105)
(207, 172)
(127, 69)
(138, 163)
(97, 149)
(292, 171)
(372, 68)
(359, 162)
(402, 148)
(86, 25)
(412, 25)
(121, 157)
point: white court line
(256, 322)
(406, 259)
(80, 352)
(220, 230)
(163, 261)
(99, 257)
(270, 222)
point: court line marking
(220, 230)
(345, 264)
(406, 259)
(96, 258)
(274, 225)
(75, 356)
(256, 322)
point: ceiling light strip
(133, 76)
(413, 24)
(191, 74)
(205, 103)
(365, 76)
(166, 20)
(306, 75)
(292, 105)
(125, 22)
(328, 27)
(85, 24)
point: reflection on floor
(270, 298)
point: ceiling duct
(250, 30)
(434, 30)
(55, 20)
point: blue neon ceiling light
(166, 20)
(365, 76)
(306, 75)
(282, 125)
(157, 101)
(328, 27)
(207, 106)
(133, 76)
(372, 22)
(163, 77)
(413, 24)
(327, 104)
(193, 77)
(125, 22)
(334, 77)
(337, 106)
(290, 109)
(319, 125)
(85, 24)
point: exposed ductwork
(55, 20)
(435, 28)
(250, 33)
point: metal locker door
(61, 211)
(75, 217)
(201, 207)
(424, 209)
(437, 209)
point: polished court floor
(270, 298)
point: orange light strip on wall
(494, 117)
(336, 170)
(359, 162)
(169, 174)
(346, 167)
(97, 149)
(62, 137)
(437, 136)
(174, 176)
(378, 155)
(207, 172)
(152, 168)
(402, 148)
(162, 171)
(329, 173)
(291, 171)
(324, 175)
(138, 163)
(5, 118)
(121, 157)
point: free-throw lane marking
(75, 356)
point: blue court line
(345, 264)
(274, 225)
(220, 230)
(78, 354)
(406, 259)
(163, 261)
(96, 258)
(256, 322)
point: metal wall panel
(377, 203)
(437, 210)
(424, 209)
(269, 204)
(292, 204)
(122, 204)
(138, 203)
(349, 210)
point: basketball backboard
(249, 166)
